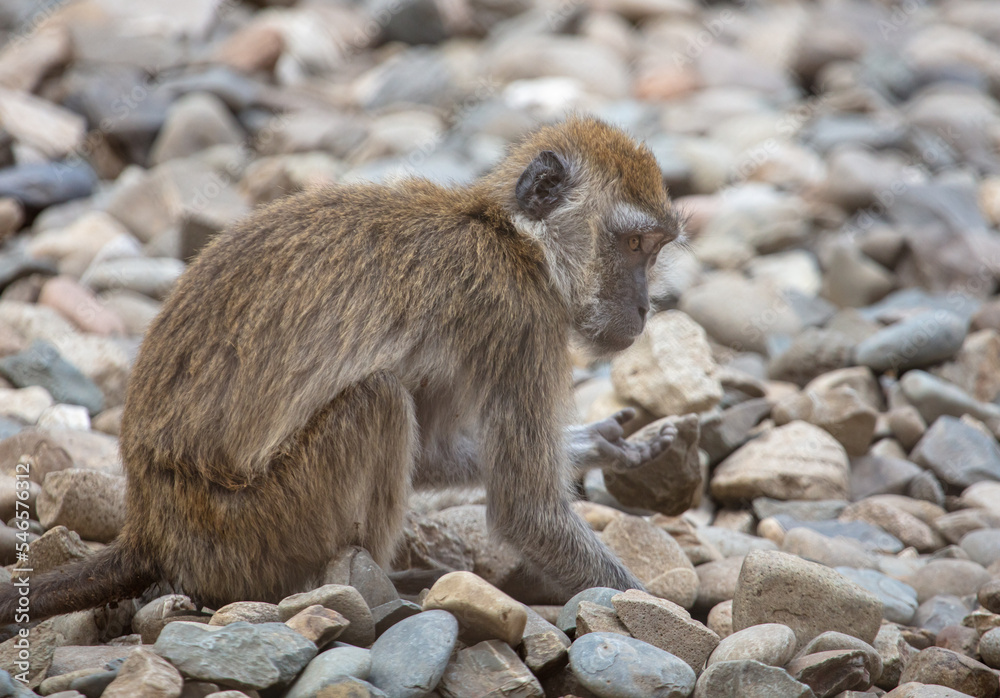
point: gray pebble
(410, 657)
(243, 655)
(616, 666)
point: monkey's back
(295, 303)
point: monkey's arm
(527, 472)
(603, 444)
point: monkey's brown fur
(340, 344)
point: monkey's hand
(603, 444)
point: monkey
(344, 345)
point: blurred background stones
(827, 341)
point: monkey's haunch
(112, 574)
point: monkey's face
(596, 204)
(627, 244)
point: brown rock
(795, 461)
(654, 557)
(948, 577)
(483, 611)
(935, 665)
(595, 618)
(145, 674)
(908, 528)
(355, 567)
(829, 673)
(717, 581)
(58, 546)
(894, 652)
(11, 216)
(318, 625)
(720, 619)
(489, 668)
(669, 484)
(248, 611)
(906, 425)
(90, 502)
(775, 587)
(253, 48)
(666, 625)
(543, 645)
(79, 305)
(958, 638)
(344, 600)
(150, 619)
(668, 370)
(840, 411)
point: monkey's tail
(115, 573)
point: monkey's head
(594, 201)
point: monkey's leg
(603, 444)
(342, 479)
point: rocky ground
(827, 522)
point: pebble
(840, 411)
(935, 398)
(938, 612)
(958, 453)
(989, 648)
(747, 678)
(822, 599)
(79, 305)
(90, 502)
(566, 622)
(25, 404)
(915, 689)
(248, 611)
(733, 543)
(483, 611)
(243, 655)
(916, 342)
(489, 668)
(147, 674)
(720, 619)
(355, 567)
(666, 625)
(37, 185)
(832, 641)
(409, 659)
(669, 368)
(910, 530)
(153, 277)
(329, 667)
(936, 665)
(594, 618)
(543, 646)
(830, 673)
(982, 546)
(717, 581)
(948, 577)
(772, 644)
(899, 600)
(388, 614)
(654, 557)
(345, 600)
(614, 666)
(669, 484)
(41, 364)
(795, 461)
(319, 625)
(723, 305)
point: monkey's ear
(542, 186)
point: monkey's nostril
(642, 312)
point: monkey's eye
(634, 243)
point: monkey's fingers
(624, 416)
(609, 429)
